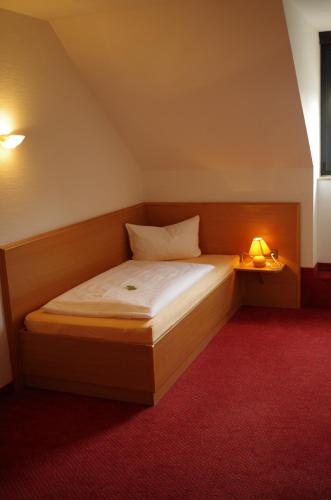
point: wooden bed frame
(36, 269)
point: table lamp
(258, 250)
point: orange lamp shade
(259, 247)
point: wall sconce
(11, 141)
(258, 251)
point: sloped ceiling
(195, 84)
(317, 12)
(191, 84)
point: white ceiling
(318, 12)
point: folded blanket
(134, 289)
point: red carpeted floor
(250, 419)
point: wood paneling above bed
(228, 228)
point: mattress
(133, 289)
(137, 331)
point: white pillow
(178, 241)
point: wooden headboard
(36, 269)
(230, 227)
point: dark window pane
(325, 40)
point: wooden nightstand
(270, 267)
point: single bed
(135, 359)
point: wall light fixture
(11, 141)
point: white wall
(72, 165)
(324, 219)
(306, 55)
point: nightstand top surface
(269, 267)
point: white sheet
(106, 295)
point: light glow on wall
(6, 125)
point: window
(325, 41)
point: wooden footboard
(129, 372)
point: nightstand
(270, 267)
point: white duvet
(134, 289)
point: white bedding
(155, 284)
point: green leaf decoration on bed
(131, 287)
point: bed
(144, 365)
(135, 359)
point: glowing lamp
(258, 250)
(11, 141)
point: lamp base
(259, 261)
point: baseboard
(322, 271)
(316, 286)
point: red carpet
(251, 419)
